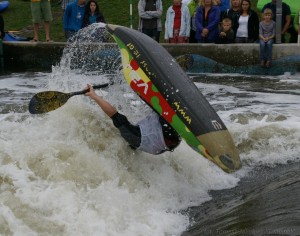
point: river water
(68, 172)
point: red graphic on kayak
(147, 92)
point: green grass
(18, 16)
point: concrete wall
(20, 56)
(232, 54)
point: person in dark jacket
(92, 14)
(233, 13)
(248, 24)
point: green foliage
(17, 17)
(117, 12)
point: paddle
(50, 100)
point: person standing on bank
(226, 34)
(207, 21)
(285, 20)
(152, 134)
(73, 18)
(177, 26)
(248, 24)
(41, 11)
(150, 12)
(92, 14)
(233, 13)
(266, 35)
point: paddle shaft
(98, 86)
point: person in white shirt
(248, 24)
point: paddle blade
(47, 101)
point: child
(177, 23)
(226, 32)
(266, 35)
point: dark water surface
(266, 202)
(267, 199)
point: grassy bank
(18, 16)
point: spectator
(226, 34)
(41, 11)
(285, 20)
(223, 6)
(193, 9)
(233, 13)
(248, 28)
(177, 23)
(92, 14)
(207, 21)
(266, 35)
(64, 4)
(2, 33)
(73, 18)
(150, 12)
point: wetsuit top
(152, 134)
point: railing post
(299, 28)
(130, 12)
(278, 20)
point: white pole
(299, 29)
(130, 11)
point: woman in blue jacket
(207, 22)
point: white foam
(74, 174)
